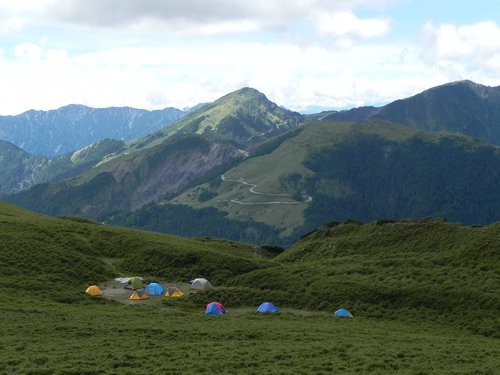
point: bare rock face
(154, 179)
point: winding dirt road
(252, 190)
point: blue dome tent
(267, 307)
(154, 289)
(342, 313)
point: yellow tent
(173, 292)
(94, 291)
(136, 296)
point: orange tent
(138, 295)
(94, 291)
(173, 292)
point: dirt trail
(252, 190)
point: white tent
(201, 284)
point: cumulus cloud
(38, 76)
(467, 50)
(15, 15)
(334, 18)
(345, 28)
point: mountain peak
(244, 116)
(465, 83)
(245, 93)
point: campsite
(401, 326)
(229, 187)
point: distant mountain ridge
(21, 170)
(285, 173)
(321, 172)
(337, 171)
(461, 107)
(245, 111)
(59, 131)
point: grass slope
(270, 172)
(43, 251)
(366, 171)
(407, 270)
(51, 327)
(244, 116)
(95, 338)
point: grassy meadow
(93, 337)
(425, 297)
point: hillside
(335, 171)
(424, 296)
(72, 127)
(164, 163)
(214, 170)
(244, 117)
(130, 180)
(36, 249)
(448, 272)
(462, 107)
(21, 170)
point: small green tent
(135, 283)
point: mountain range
(69, 128)
(462, 107)
(21, 170)
(244, 168)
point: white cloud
(467, 50)
(15, 15)
(36, 76)
(189, 16)
(345, 28)
(28, 52)
(172, 68)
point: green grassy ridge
(45, 251)
(461, 107)
(366, 171)
(241, 116)
(53, 328)
(446, 271)
(269, 168)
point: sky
(306, 55)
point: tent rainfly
(201, 284)
(215, 308)
(154, 289)
(342, 313)
(138, 295)
(267, 307)
(135, 283)
(173, 292)
(94, 291)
